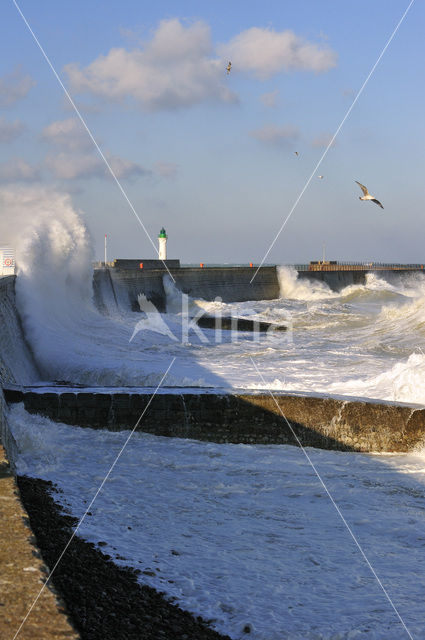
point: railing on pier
(358, 266)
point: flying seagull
(229, 66)
(320, 177)
(366, 195)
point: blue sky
(210, 156)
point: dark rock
(238, 324)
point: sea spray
(295, 288)
(70, 339)
(54, 254)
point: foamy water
(246, 535)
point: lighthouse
(162, 244)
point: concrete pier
(339, 279)
(231, 284)
(121, 282)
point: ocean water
(242, 535)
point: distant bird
(366, 195)
(321, 177)
(296, 153)
(229, 66)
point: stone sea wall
(328, 423)
(16, 362)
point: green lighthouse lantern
(162, 244)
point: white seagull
(366, 195)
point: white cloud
(18, 170)
(76, 157)
(68, 134)
(68, 166)
(265, 52)
(176, 68)
(166, 169)
(322, 140)
(270, 99)
(10, 130)
(14, 86)
(73, 165)
(276, 136)
(125, 169)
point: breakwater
(117, 287)
(120, 287)
(337, 279)
(328, 423)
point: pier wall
(120, 287)
(16, 361)
(327, 423)
(338, 280)
(232, 284)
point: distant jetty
(334, 265)
(122, 280)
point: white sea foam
(246, 535)
(404, 382)
(296, 288)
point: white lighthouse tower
(162, 244)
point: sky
(210, 155)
